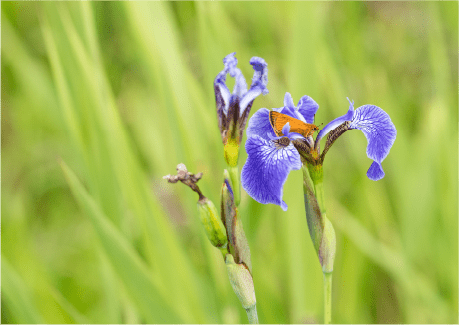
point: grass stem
(252, 314)
(327, 297)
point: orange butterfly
(278, 120)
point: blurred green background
(119, 93)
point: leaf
(144, 289)
(18, 297)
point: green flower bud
(320, 228)
(236, 236)
(213, 226)
(241, 281)
(327, 248)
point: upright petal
(307, 107)
(230, 63)
(288, 101)
(222, 96)
(222, 93)
(380, 133)
(289, 107)
(240, 86)
(286, 128)
(337, 121)
(259, 125)
(259, 82)
(266, 169)
(260, 76)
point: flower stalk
(238, 261)
(236, 183)
(327, 297)
(320, 228)
(226, 234)
(233, 110)
(242, 283)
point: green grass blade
(419, 289)
(133, 272)
(18, 297)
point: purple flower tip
(229, 187)
(375, 172)
(259, 81)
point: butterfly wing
(278, 120)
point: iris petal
(380, 133)
(248, 97)
(259, 125)
(240, 86)
(375, 172)
(259, 82)
(286, 128)
(266, 169)
(230, 63)
(222, 93)
(288, 101)
(307, 107)
(289, 107)
(260, 76)
(337, 122)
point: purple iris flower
(271, 158)
(233, 108)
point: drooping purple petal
(266, 169)
(380, 133)
(307, 107)
(259, 125)
(337, 121)
(259, 82)
(375, 172)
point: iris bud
(213, 226)
(241, 281)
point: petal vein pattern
(259, 125)
(267, 168)
(307, 107)
(378, 129)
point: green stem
(224, 251)
(320, 228)
(235, 183)
(327, 297)
(319, 191)
(252, 314)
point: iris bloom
(233, 108)
(271, 158)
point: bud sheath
(213, 226)
(241, 281)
